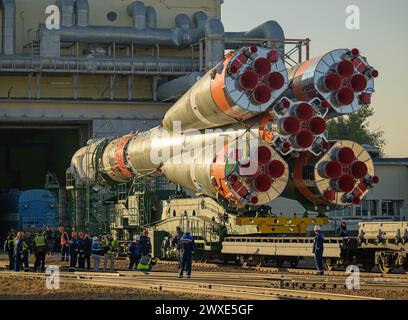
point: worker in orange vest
(64, 244)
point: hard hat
(136, 238)
(188, 230)
(95, 238)
(317, 229)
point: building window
(387, 208)
(368, 208)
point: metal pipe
(67, 12)
(147, 65)
(82, 13)
(151, 17)
(137, 11)
(9, 26)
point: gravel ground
(20, 288)
(34, 289)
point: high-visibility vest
(39, 241)
(110, 243)
(144, 267)
(63, 240)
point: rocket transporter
(250, 131)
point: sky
(382, 38)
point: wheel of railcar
(383, 267)
(294, 262)
(243, 262)
(328, 264)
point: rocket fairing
(341, 78)
(248, 132)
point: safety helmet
(188, 231)
(136, 238)
(95, 239)
(317, 229)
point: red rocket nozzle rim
(273, 56)
(375, 73)
(304, 139)
(358, 82)
(333, 170)
(262, 94)
(345, 96)
(304, 111)
(276, 80)
(290, 125)
(317, 125)
(359, 169)
(276, 169)
(262, 66)
(248, 80)
(253, 49)
(346, 155)
(346, 183)
(262, 183)
(254, 200)
(345, 68)
(264, 155)
(355, 52)
(331, 82)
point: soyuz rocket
(249, 131)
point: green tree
(354, 127)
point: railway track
(214, 284)
(291, 271)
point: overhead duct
(151, 17)
(9, 26)
(137, 10)
(82, 13)
(267, 30)
(176, 88)
(67, 12)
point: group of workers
(78, 248)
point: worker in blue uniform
(73, 251)
(176, 242)
(318, 249)
(343, 229)
(134, 253)
(21, 252)
(81, 250)
(9, 245)
(145, 244)
(187, 247)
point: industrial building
(111, 69)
